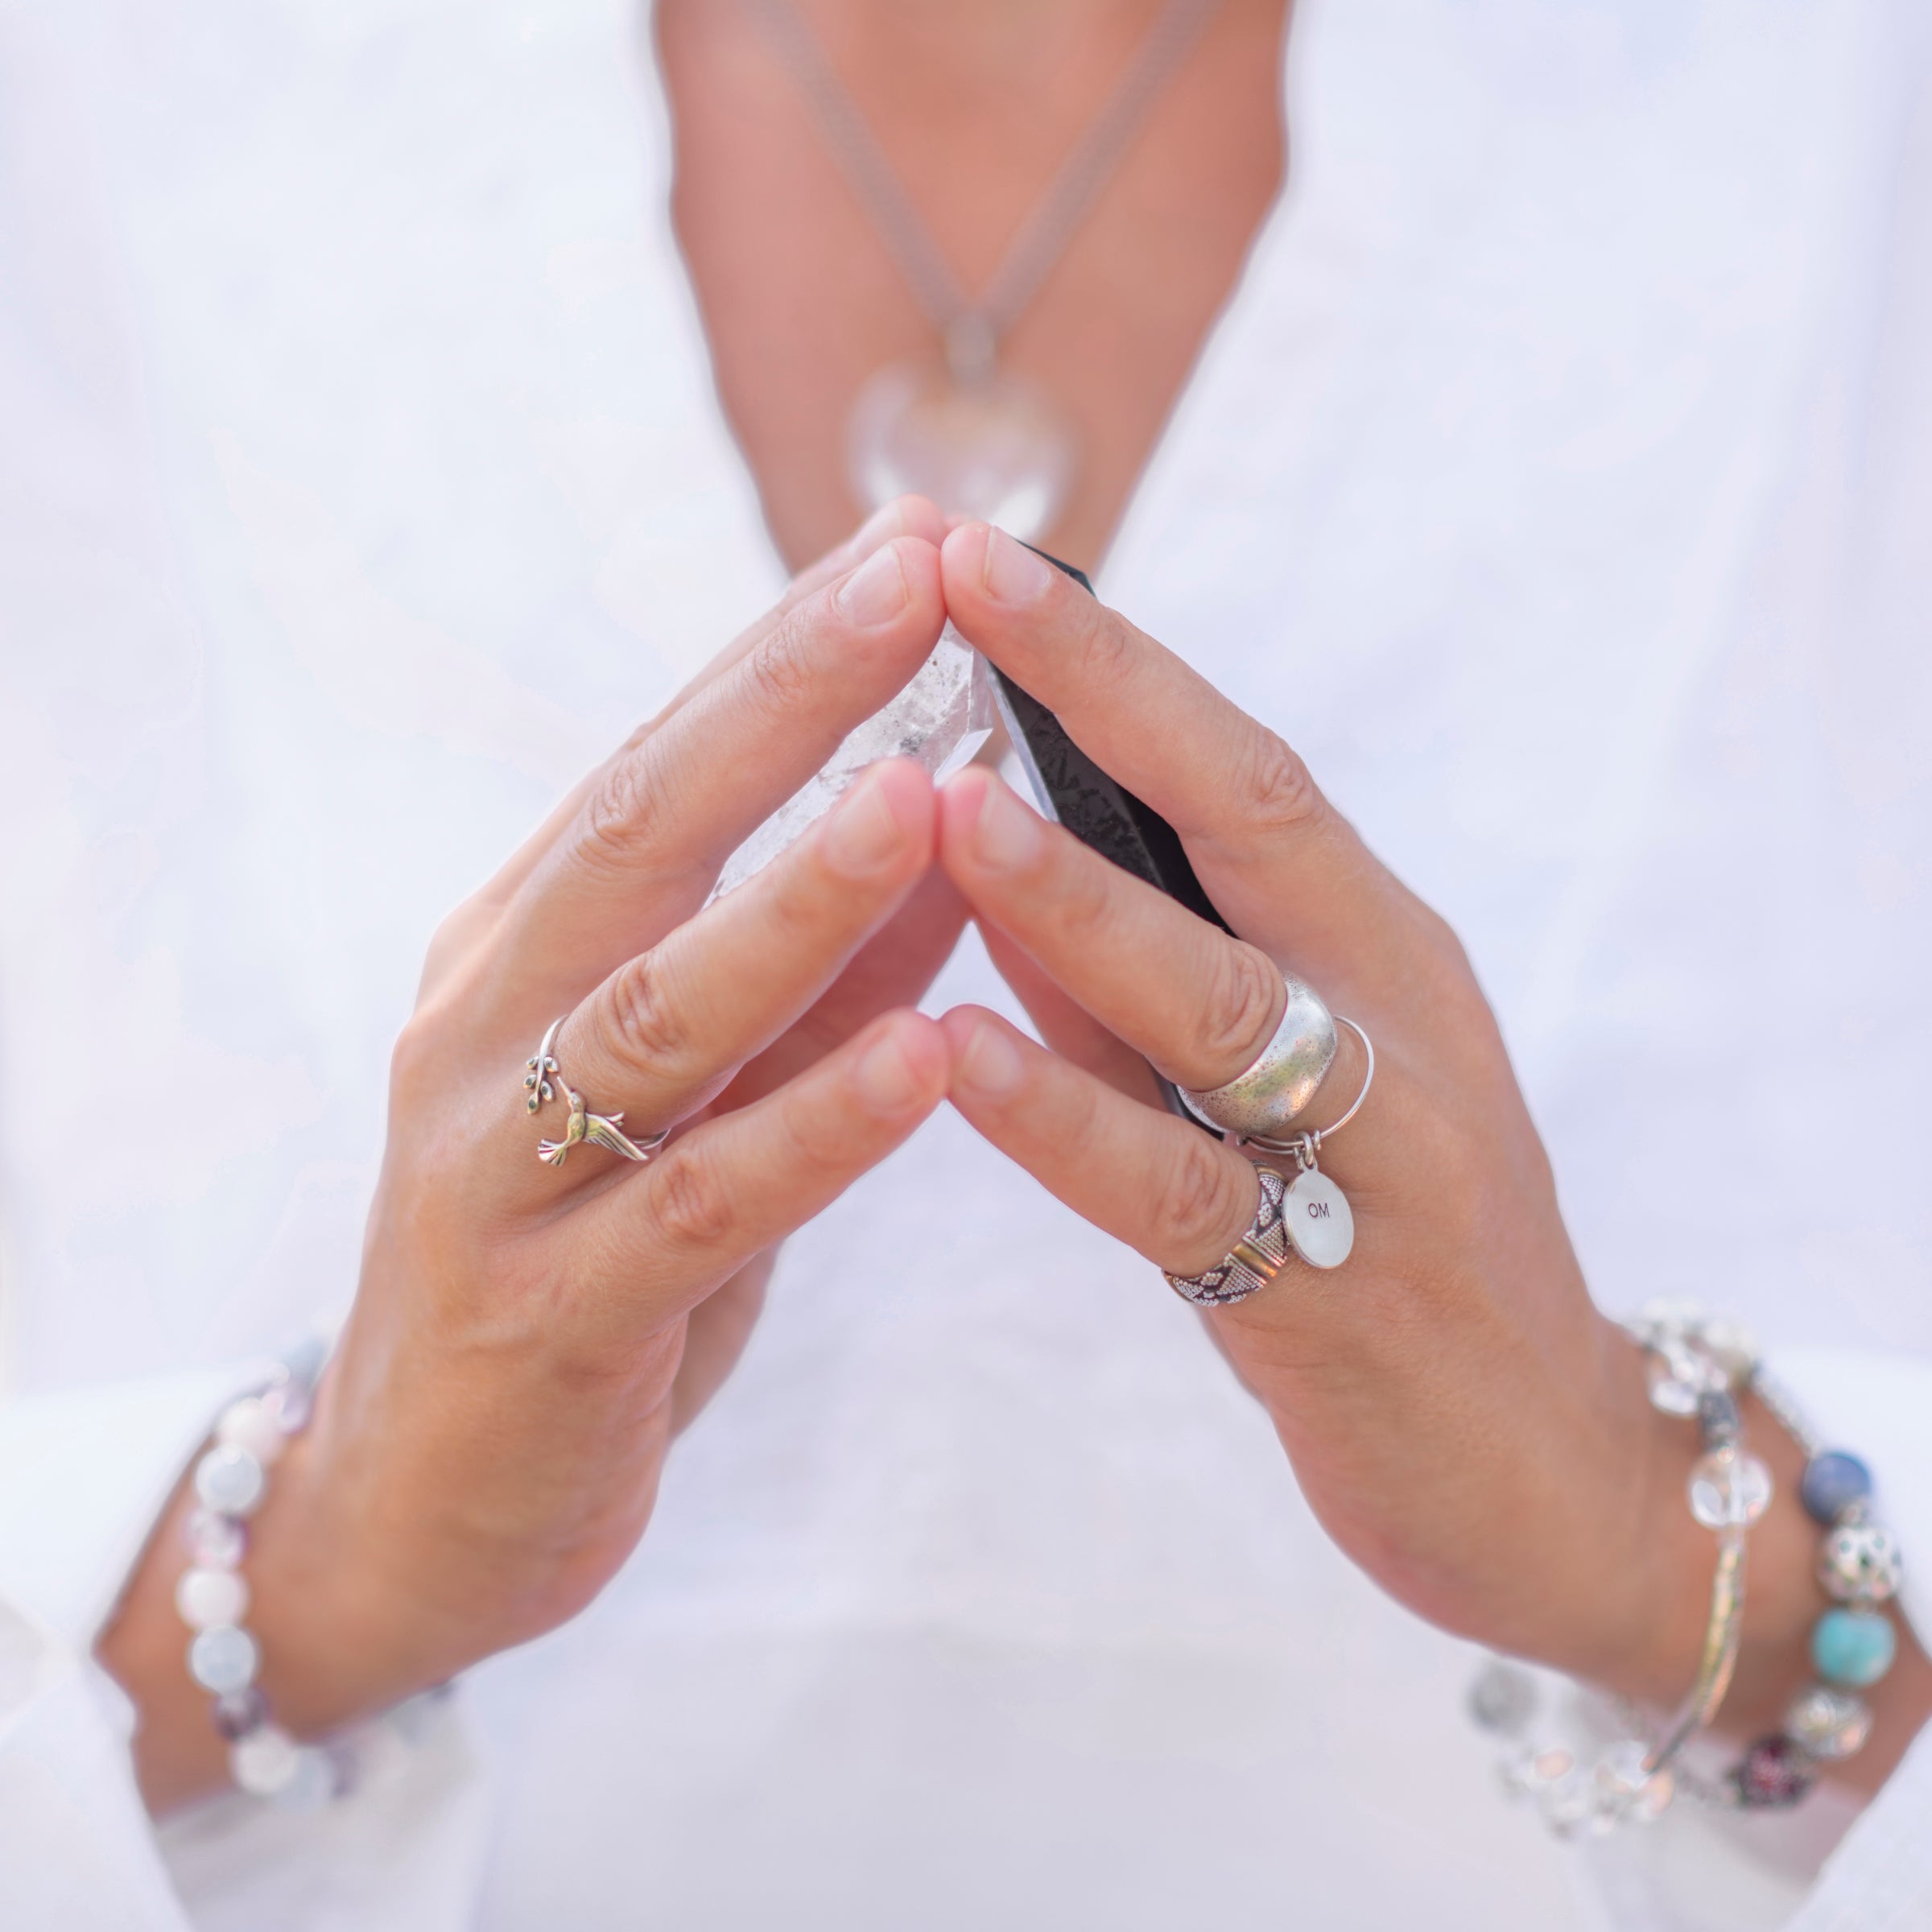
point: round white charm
(1318, 1220)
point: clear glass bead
(1828, 1724)
(1627, 1788)
(266, 1761)
(1568, 1802)
(1732, 1345)
(215, 1542)
(289, 1403)
(1526, 1772)
(206, 1598)
(1860, 1563)
(249, 1424)
(223, 1659)
(1677, 1377)
(230, 1480)
(1729, 1489)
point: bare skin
(368, 1585)
(1466, 1424)
(976, 105)
(525, 1338)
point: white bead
(315, 1783)
(1729, 1489)
(207, 1597)
(250, 1424)
(230, 1480)
(266, 1761)
(223, 1659)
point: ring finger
(666, 1032)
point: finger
(1199, 1004)
(651, 834)
(1162, 1186)
(736, 1185)
(1066, 1026)
(903, 516)
(662, 1034)
(895, 967)
(1283, 866)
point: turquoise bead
(1853, 1647)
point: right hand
(487, 1443)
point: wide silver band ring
(1253, 1261)
(1263, 1101)
(543, 1079)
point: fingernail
(863, 832)
(886, 1078)
(875, 592)
(1013, 574)
(991, 1063)
(1007, 835)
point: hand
(525, 1338)
(1463, 1421)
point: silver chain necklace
(977, 439)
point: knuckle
(646, 1020)
(1106, 642)
(1202, 1209)
(1233, 1023)
(1275, 786)
(694, 1212)
(415, 1063)
(621, 813)
(778, 675)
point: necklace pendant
(995, 446)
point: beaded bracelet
(1696, 1368)
(1698, 1365)
(1853, 1643)
(230, 1482)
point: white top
(1558, 480)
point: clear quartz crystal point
(941, 718)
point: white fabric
(1557, 480)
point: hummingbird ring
(542, 1081)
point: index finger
(1284, 869)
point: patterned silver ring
(541, 1082)
(1264, 1100)
(1253, 1261)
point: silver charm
(541, 1081)
(1318, 1220)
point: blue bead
(1834, 1478)
(1853, 1647)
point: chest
(803, 298)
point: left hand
(1464, 1422)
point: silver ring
(1253, 1261)
(541, 1082)
(1265, 1099)
(1305, 1147)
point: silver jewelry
(1254, 1260)
(979, 441)
(541, 1083)
(1265, 1097)
(1316, 1219)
